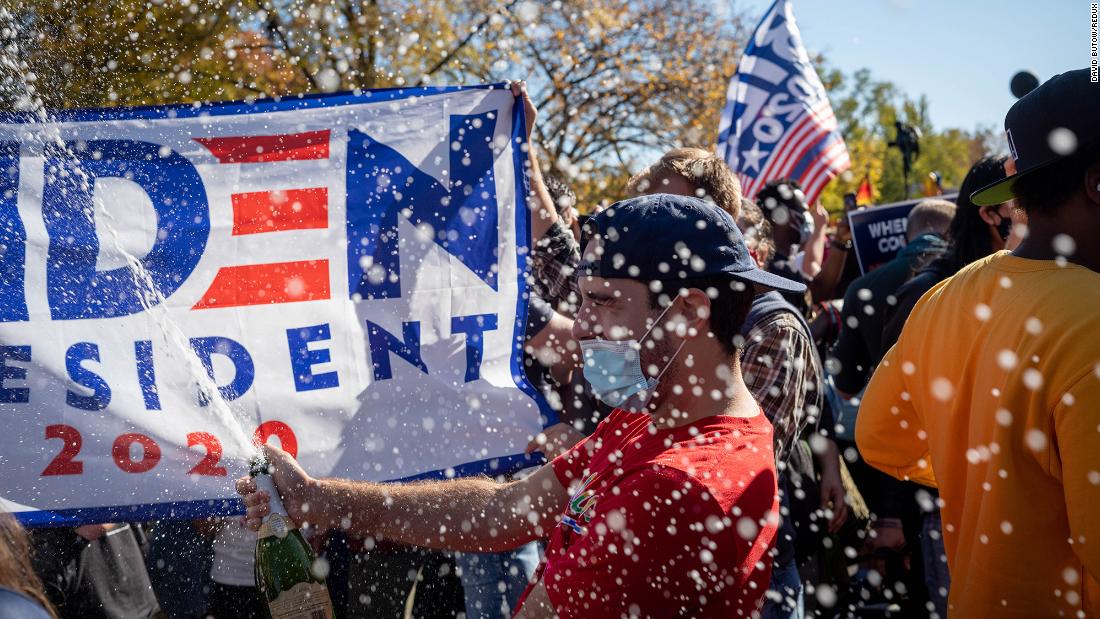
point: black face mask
(1004, 227)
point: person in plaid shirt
(782, 369)
(554, 258)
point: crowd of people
(748, 425)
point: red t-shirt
(665, 523)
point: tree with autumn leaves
(616, 83)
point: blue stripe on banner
(189, 510)
(182, 510)
(492, 467)
(724, 138)
(750, 50)
(230, 108)
(814, 154)
(754, 81)
(523, 238)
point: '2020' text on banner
(340, 275)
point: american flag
(777, 122)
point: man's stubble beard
(675, 372)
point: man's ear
(1092, 184)
(696, 311)
(990, 214)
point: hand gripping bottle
(285, 572)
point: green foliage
(866, 109)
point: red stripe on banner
(827, 157)
(836, 159)
(745, 181)
(833, 165)
(811, 136)
(816, 136)
(782, 151)
(818, 142)
(264, 284)
(830, 164)
(265, 148)
(808, 131)
(820, 185)
(272, 211)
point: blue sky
(961, 54)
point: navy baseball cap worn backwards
(1046, 126)
(670, 238)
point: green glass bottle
(285, 573)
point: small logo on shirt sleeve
(582, 505)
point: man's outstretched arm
(469, 514)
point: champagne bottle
(285, 572)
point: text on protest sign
(878, 233)
(344, 274)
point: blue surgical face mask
(613, 368)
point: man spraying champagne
(670, 505)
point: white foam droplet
(1062, 141)
(942, 389)
(328, 80)
(983, 312)
(1064, 245)
(747, 528)
(1034, 326)
(321, 567)
(1036, 439)
(826, 595)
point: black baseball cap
(1044, 127)
(673, 238)
(779, 195)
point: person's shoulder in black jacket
(907, 297)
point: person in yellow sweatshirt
(992, 392)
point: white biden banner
(340, 275)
